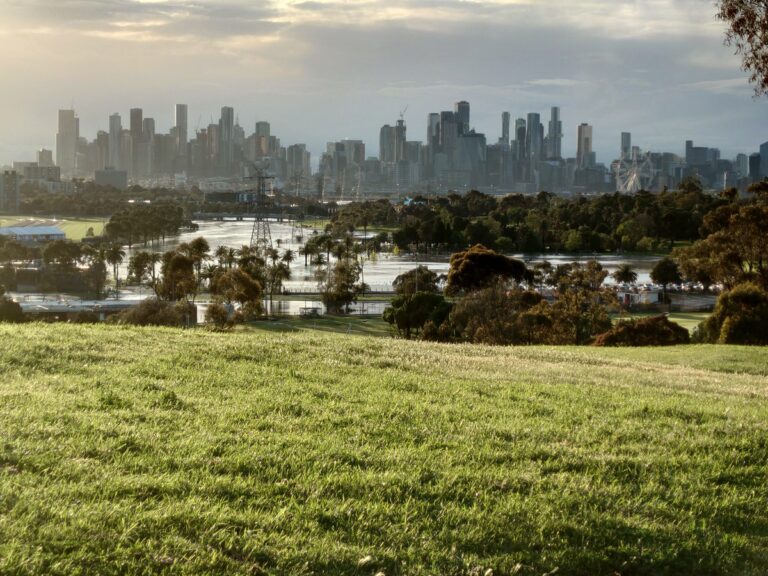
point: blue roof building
(31, 234)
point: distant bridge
(240, 216)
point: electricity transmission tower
(261, 236)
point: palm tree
(625, 274)
(114, 255)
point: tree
(479, 267)
(666, 272)
(410, 313)
(142, 268)
(114, 255)
(747, 22)
(625, 274)
(419, 279)
(740, 317)
(236, 285)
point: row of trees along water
(644, 222)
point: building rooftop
(31, 231)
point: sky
(321, 71)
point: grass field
(688, 320)
(75, 229)
(155, 451)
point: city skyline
(658, 70)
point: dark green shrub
(740, 317)
(655, 331)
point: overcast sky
(322, 71)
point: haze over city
(325, 71)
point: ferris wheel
(633, 174)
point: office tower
(505, 128)
(226, 139)
(534, 140)
(44, 158)
(180, 123)
(9, 191)
(433, 129)
(137, 135)
(520, 138)
(764, 160)
(584, 146)
(297, 161)
(66, 142)
(115, 140)
(262, 134)
(742, 165)
(386, 144)
(449, 134)
(137, 121)
(754, 167)
(626, 146)
(461, 112)
(555, 135)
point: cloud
(326, 69)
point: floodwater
(379, 271)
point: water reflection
(380, 271)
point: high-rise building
(115, 141)
(505, 117)
(66, 142)
(180, 123)
(555, 135)
(44, 158)
(764, 160)
(534, 139)
(584, 146)
(227, 139)
(521, 152)
(262, 135)
(742, 165)
(626, 146)
(461, 112)
(137, 137)
(754, 167)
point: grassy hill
(139, 451)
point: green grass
(374, 326)
(74, 228)
(156, 451)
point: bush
(153, 312)
(85, 317)
(740, 317)
(11, 311)
(218, 316)
(655, 331)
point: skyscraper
(555, 135)
(66, 142)
(505, 128)
(520, 139)
(137, 131)
(534, 139)
(115, 141)
(461, 112)
(626, 146)
(262, 138)
(584, 146)
(764, 160)
(226, 139)
(180, 123)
